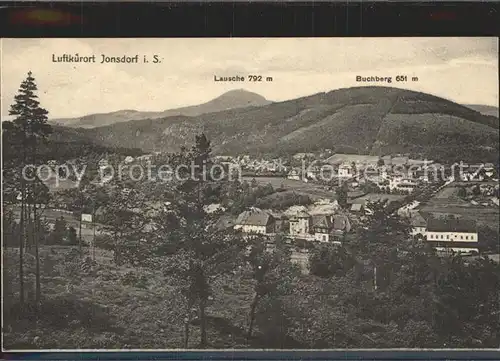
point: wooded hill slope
(364, 120)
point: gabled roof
(297, 212)
(321, 221)
(224, 222)
(417, 220)
(254, 217)
(341, 223)
(300, 214)
(451, 225)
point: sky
(464, 70)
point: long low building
(446, 234)
(460, 235)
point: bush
(66, 311)
(488, 239)
(330, 260)
(131, 279)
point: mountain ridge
(363, 120)
(237, 98)
(484, 109)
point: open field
(446, 201)
(50, 215)
(56, 184)
(447, 193)
(314, 191)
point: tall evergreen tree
(341, 193)
(25, 134)
(272, 271)
(381, 239)
(204, 249)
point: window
(442, 236)
(461, 237)
(324, 238)
(447, 236)
(466, 237)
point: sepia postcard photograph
(250, 193)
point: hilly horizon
(238, 98)
(484, 109)
(363, 120)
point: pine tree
(382, 237)
(204, 250)
(341, 193)
(59, 231)
(272, 271)
(25, 133)
(72, 238)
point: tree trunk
(21, 245)
(203, 323)
(93, 238)
(29, 233)
(253, 308)
(36, 236)
(38, 291)
(187, 319)
(80, 234)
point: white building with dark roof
(300, 224)
(256, 221)
(322, 227)
(458, 235)
(418, 224)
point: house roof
(341, 223)
(297, 211)
(451, 225)
(300, 214)
(321, 221)
(417, 220)
(356, 207)
(254, 217)
(224, 222)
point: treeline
(63, 151)
(59, 234)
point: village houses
(301, 225)
(446, 233)
(256, 221)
